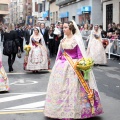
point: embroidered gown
(4, 83)
(66, 98)
(37, 59)
(96, 50)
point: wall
(53, 9)
(96, 13)
(72, 9)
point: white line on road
(26, 72)
(11, 98)
(26, 106)
(105, 85)
(24, 93)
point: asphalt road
(25, 101)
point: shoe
(10, 69)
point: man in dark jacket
(20, 35)
(44, 32)
(28, 32)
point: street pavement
(26, 98)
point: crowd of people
(67, 98)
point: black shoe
(10, 69)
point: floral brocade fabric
(66, 98)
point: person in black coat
(1, 34)
(44, 32)
(20, 35)
(51, 41)
(11, 46)
(28, 32)
(110, 29)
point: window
(40, 7)
(73, 17)
(109, 14)
(56, 15)
(36, 7)
(4, 7)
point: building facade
(111, 12)
(82, 11)
(3, 9)
(40, 10)
(54, 12)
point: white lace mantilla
(68, 44)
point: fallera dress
(96, 50)
(4, 83)
(66, 98)
(37, 59)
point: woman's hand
(5, 78)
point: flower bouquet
(27, 48)
(105, 42)
(85, 65)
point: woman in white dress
(95, 48)
(38, 57)
(66, 97)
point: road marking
(105, 85)
(28, 72)
(113, 75)
(23, 82)
(16, 112)
(17, 97)
(36, 105)
(22, 93)
(16, 73)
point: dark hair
(71, 26)
(100, 26)
(37, 29)
(117, 32)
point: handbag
(19, 54)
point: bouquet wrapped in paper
(27, 48)
(85, 65)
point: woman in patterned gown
(4, 82)
(38, 55)
(95, 48)
(66, 98)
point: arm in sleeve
(4, 39)
(79, 54)
(16, 39)
(59, 54)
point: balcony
(51, 1)
(4, 7)
(62, 2)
